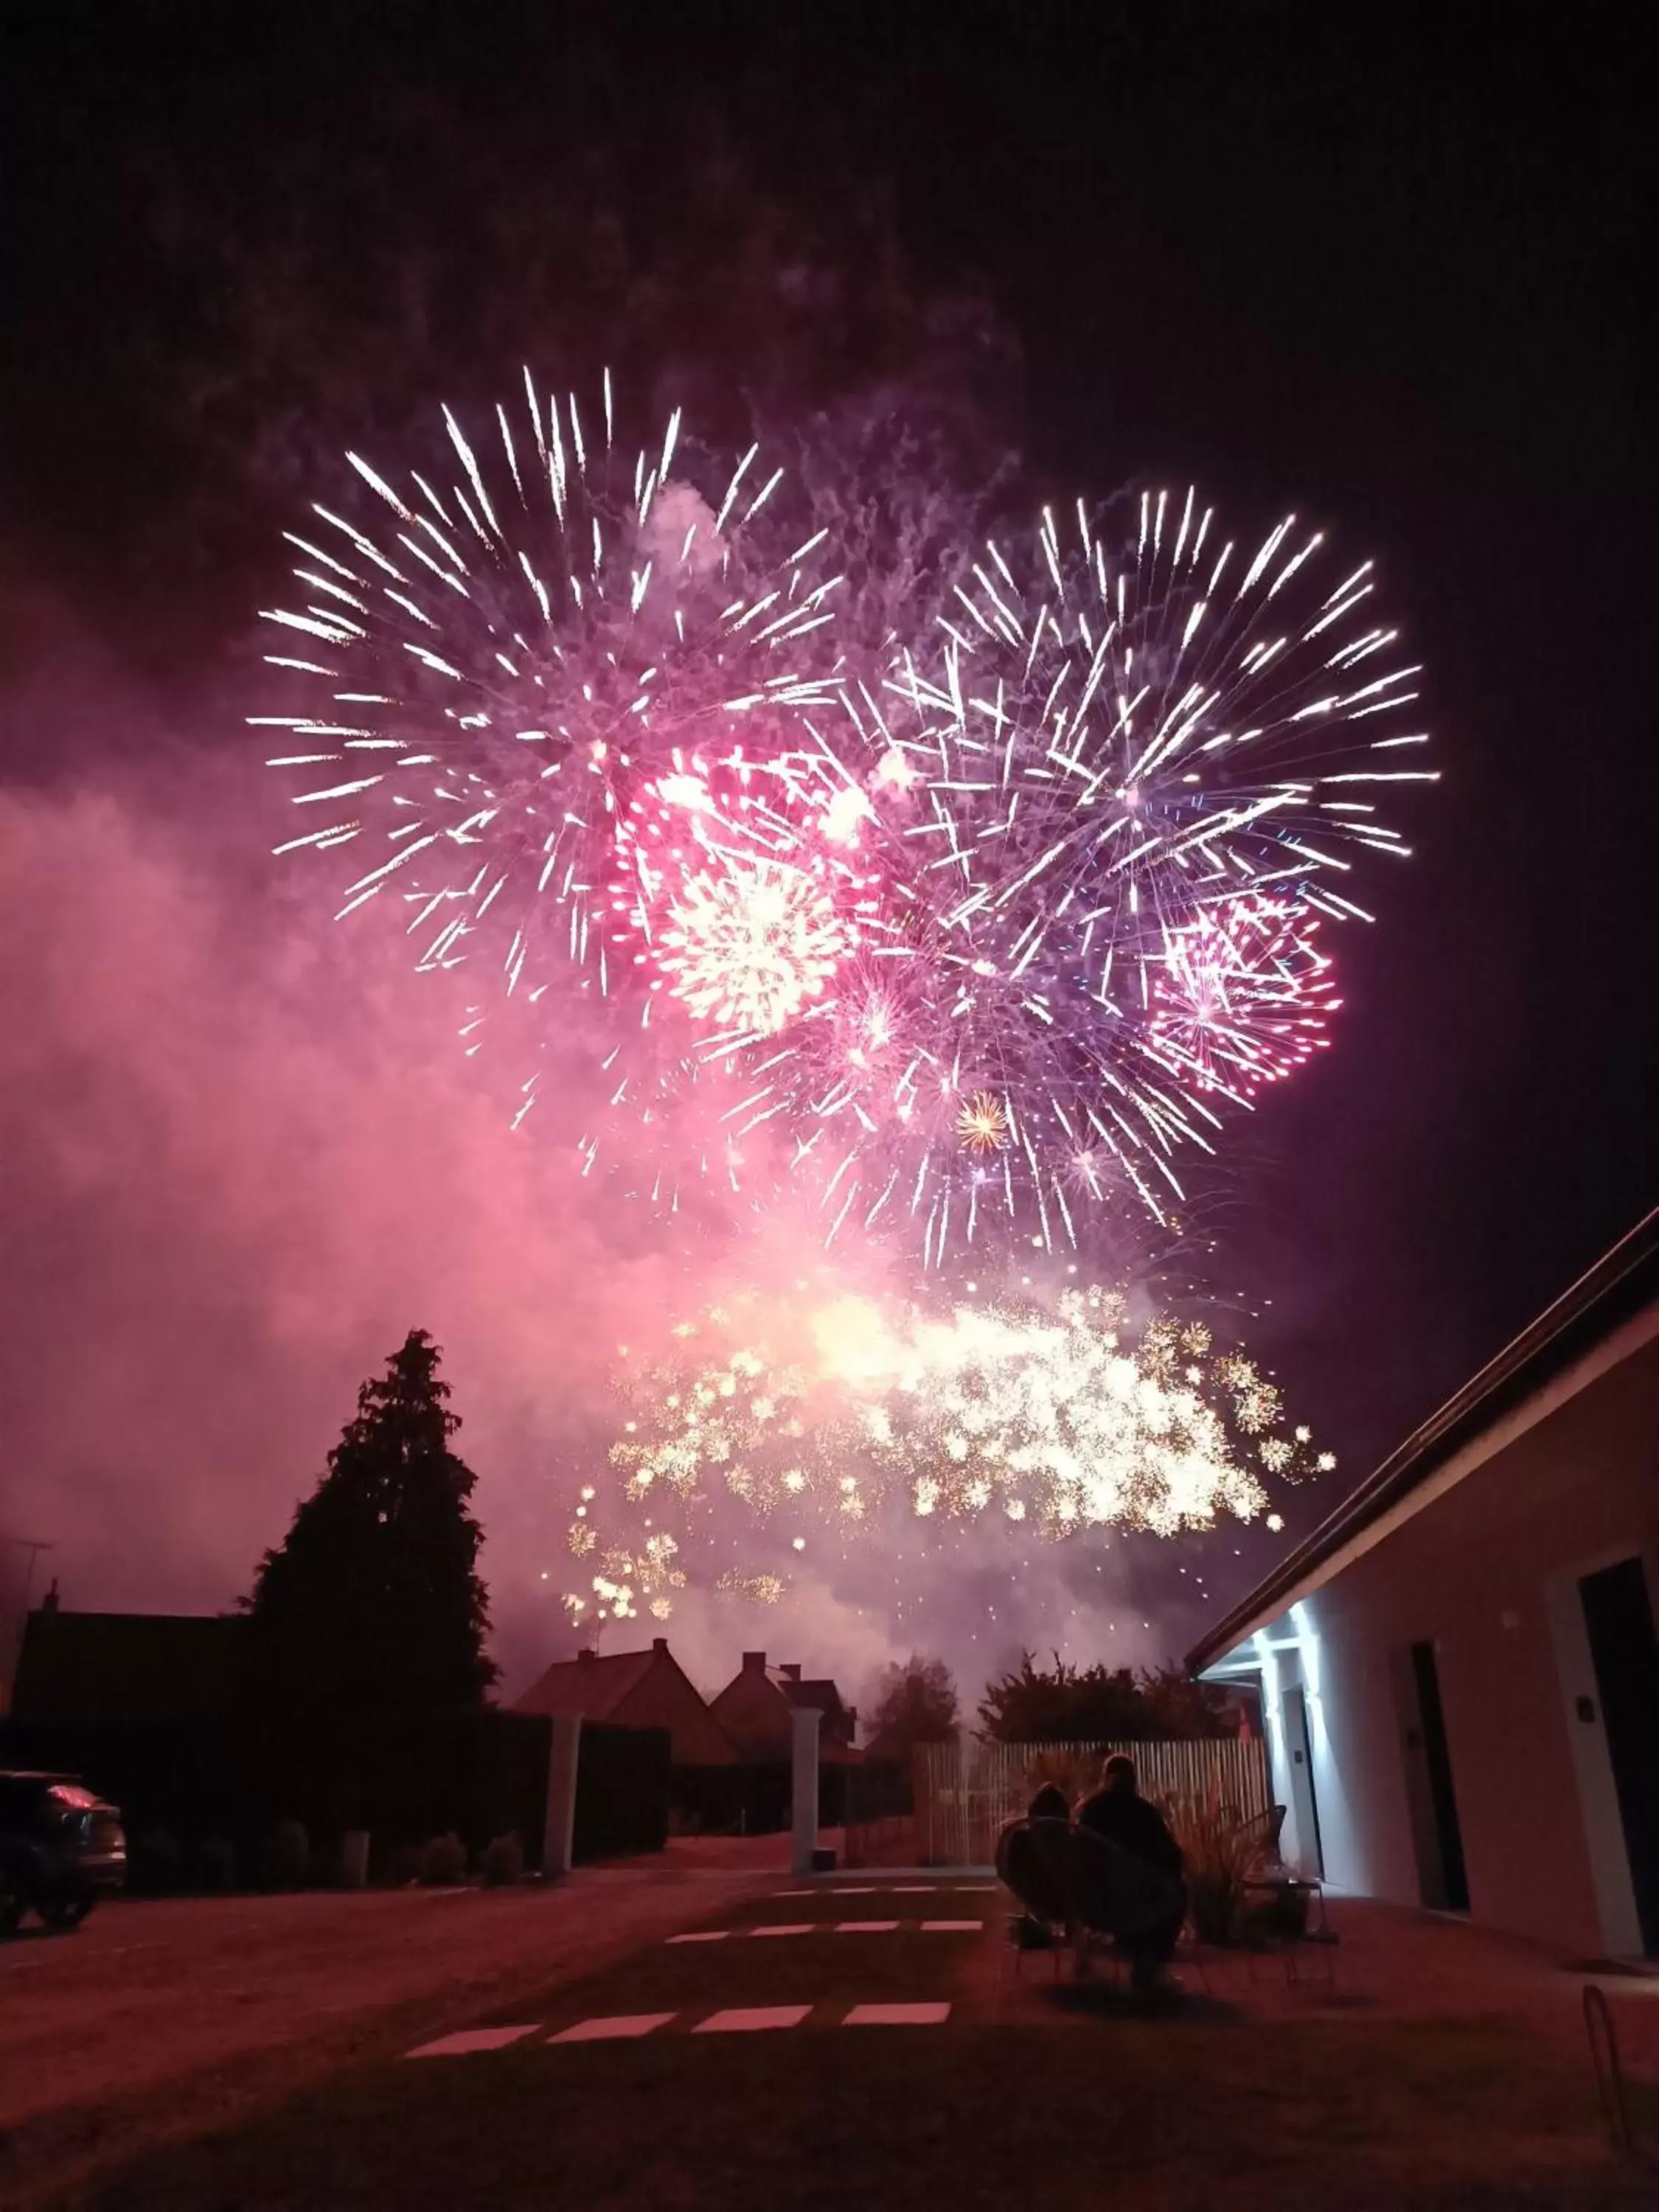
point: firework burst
(995, 946)
(1243, 996)
(743, 895)
(1108, 813)
(497, 653)
(1048, 1420)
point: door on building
(1442, 1881)
(1304, 1803)
(1625, 1652)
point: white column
(558, 1831)
(805, 1798)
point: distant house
(757, 1709)
(122, 1667)
(634, 1689)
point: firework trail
(1053, 1422)
(503, 649)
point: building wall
(1488, 1571)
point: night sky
(1380, 268)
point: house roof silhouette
(634, 1689)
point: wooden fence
(966, 1792)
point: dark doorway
(1304, 1801)
(1619, 1617)
(1445, 1884)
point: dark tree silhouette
(1096, 1705)
(373, 1602)
(914, 1703)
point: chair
(1080, 1886)
(1033, 1861)
(1261, 1833)
(1304, 1929)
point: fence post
(559, 1828)
(804, 1808)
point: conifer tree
(374, 1602)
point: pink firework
(1243, 996)
(742, 891)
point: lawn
(1160, 2114)
(1255, 2097)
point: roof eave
(1619, 1285)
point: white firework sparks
(1104, 753)
(497, 653)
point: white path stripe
(950, 1927)
(787, 1928)
(912, 1889)
(897, 2015)
(470, 2038)
(794, 1892)
(702, 1935)
(863, 1927)
(850, 1889)
(744, 2018)
(614, 2028)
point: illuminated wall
(1487, 1573)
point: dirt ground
(168, 2016)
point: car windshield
(69, 1799)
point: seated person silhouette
(1031, 1871)
(1118, 1812)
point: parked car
(61, 1848)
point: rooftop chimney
(660, 1644)
(790, 1673)
(585, 1655)
(49, 1602)
(754, 1663)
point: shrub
(157, 1862)
(443, 1861)
(504, 1863)
(285, 1856)
(1219, 1850)
(405, 1867)
(215, 1864)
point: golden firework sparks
(855, 1414)
(983, 1124)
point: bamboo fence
(966, 1792)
